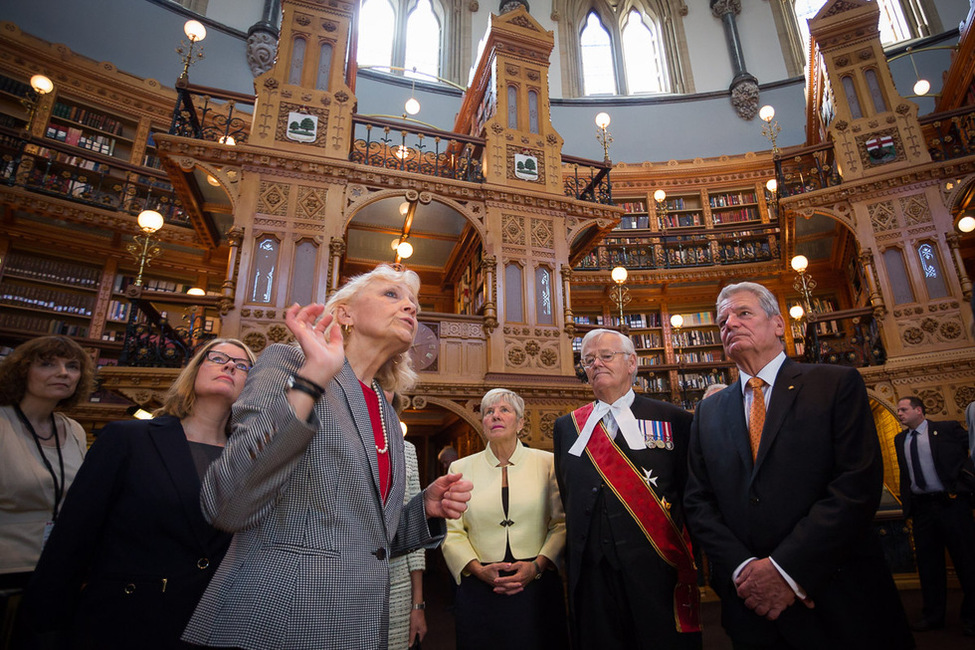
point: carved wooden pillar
(229, 289)
(336, 249)
(489, 265)
(954, 243)
(568, 322)
(876, 298)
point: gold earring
(346, 330)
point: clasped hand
(507, 585)
(765, 591)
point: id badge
(48, 527)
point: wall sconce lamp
(771, 129)
(40, 86)
(144, 248)
(602, 135)
(797, 312)
(621, 294)
(660, 197)
(196, 32)
(804, 284)
(403, 248)
(772, 195)
(966, 224)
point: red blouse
(385, 469)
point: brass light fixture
(40, 86)
(677, 322)
(804, 284)
(195, 32)
(771, 128)
(602, 135)
(144, 248)
(621, 293)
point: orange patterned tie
(756, 415)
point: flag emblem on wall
(881, 150)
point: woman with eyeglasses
(131, 553)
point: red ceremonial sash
(672, 545)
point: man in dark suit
(933, 457)
(781, 499)
(621, 466)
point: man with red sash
(621, 465)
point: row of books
(696, 337)
(119, 310)
(650, 360)
(77, 138)
(646, 341)
(633, 206)
(701, 357)
(648, 319)
(87, 117)
(13, 86)
(73, 161)
(652, 384)
(700, 381)
(723, 200)
(736, 216)
(692, 319)
(49, 270)
(634, 221)
(151, 284)
(587, 319)
(678, 203)
(49, 299)
(682, 220)
(40, 324)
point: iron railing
(587, 180)
(848, 337)
(97, 180)
(393, 145)
(211, 120)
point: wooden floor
(440, 620)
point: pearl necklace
(382, 420)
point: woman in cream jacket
(504, 551)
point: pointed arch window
(402, 34)
(642, 55)
(894, 25)
(324, 66)
(622, 54)
(297, 61)
(598, 76)
(533, 111)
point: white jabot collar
(624, 419)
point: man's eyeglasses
(605, 357)
(220, 359)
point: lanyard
(58, 486)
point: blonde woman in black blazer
(131, 553)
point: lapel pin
(791, 387)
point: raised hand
(323, 346)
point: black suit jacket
(949, 451)
(580, 486)
(807, 501)
(131, 520)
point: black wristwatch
(305, 386)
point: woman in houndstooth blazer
(313, 479)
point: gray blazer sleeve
(267, 443)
